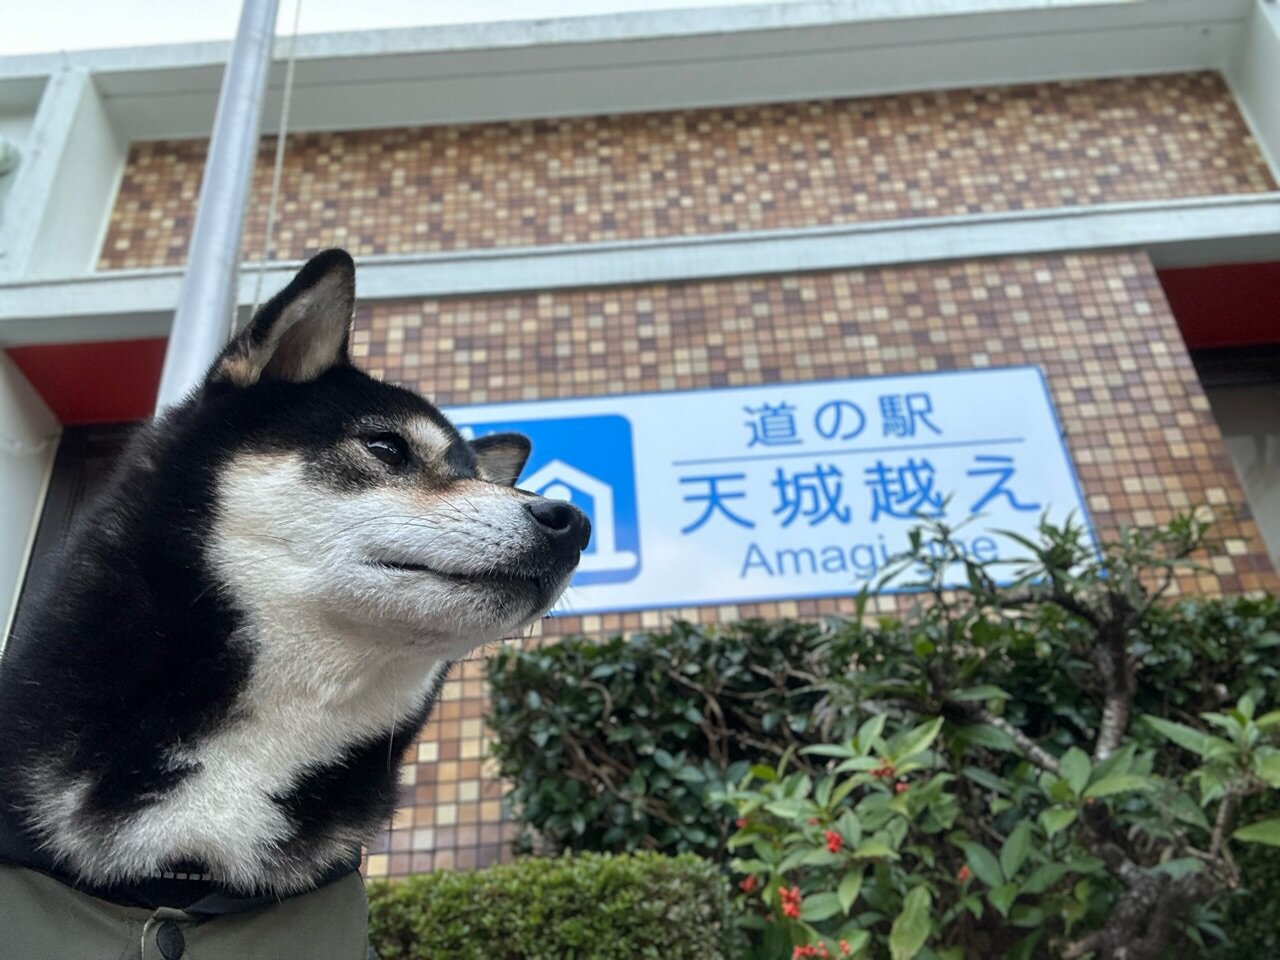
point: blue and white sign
(785, 491)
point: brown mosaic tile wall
(1138, 425)
(710, 171)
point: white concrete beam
(34, 179)
(139, 303)
(1254, 75)
(56, 213)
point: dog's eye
(389, 448)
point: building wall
(709, 171)
(1138, 425)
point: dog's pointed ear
(501, 456)
(301, 332)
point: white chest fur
(309, 699)
(287, 722)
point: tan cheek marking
(253, 464)
(431, 442)
(467, 494)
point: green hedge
(602, 907)
(614, 745)
(619, 744)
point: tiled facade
(1138, 425)
(709, 171)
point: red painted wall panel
(99, 382)
(1231, 305)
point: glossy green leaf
(1043, 877)
(1056, 819)
(990, 781)
(917, 741)
(875, 850)
(1269, 720)
(1002, 897)
(1180, 867)
(1075, 769)
(829, 750)
(819, 906)
(1016, 847)
(1121, 761)
(764, 772)
(1189, 738)
(870, 731)
(690, 774)
(847, 786)
(850, 886)
(913, 925)
(1121, 783)
(982, 693)
(1267, 766)
(849, 827)
(985, 735)
(983, 863)
(822, 795)
(1264, 831)
(858, 941)
(1182, 806)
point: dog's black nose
(566, 525)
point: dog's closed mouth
(494, 577)
(397, 565)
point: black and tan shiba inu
(249, 629)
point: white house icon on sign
(557, 480)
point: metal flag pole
(207, 301)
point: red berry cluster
(740, 822)
(809, 950)
(901, 787)
(748, 884)
(790, 902)
(884, 771)
(819, 950)
(963, 874)
(834, 842)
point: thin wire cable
(286, 101)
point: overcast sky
(41, 26)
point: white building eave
(968, 16)
(129, 304)
(668, 59)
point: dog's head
(357, 501)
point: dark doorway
(86, 458)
